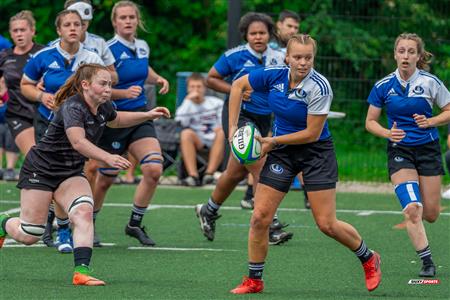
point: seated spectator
(200, 119)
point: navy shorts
(426, 159)
(17, 124)
(316, 160)
(6, 139)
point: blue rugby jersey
(132, 61)
(54, 65)
(403, 99)
(291, 107)
(240, 61)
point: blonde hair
(304, 39)
(64, 13)
(125, 3)
(425, 56)
(25, 15)
(72, 85)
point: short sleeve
(320, 104)
(442, 97)
(110, 111)
(73, 116)
(106, 55)
(33, 70)
(222, 66)
(181, 114)
(257, 80)
(376, 98)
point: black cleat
(277, 235)
(207, 221)
(47, 237)
(428, 270)
(97, 242)
(140, 234)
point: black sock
(3, 224)
(62, 223)
(425, 255)
(212, 207)
(255, 270)
(94, 215)
(363, 253)
(136, 215)
(82, 256)
(249, 192)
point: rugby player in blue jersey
(300, 99)
(414, 154)
(132, 66)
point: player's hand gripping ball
(245, 148)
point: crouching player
(300, 98)
(53, 169)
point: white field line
(181, 249)
(10, 243)
(172, 206)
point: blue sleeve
(258, 80)
(222, 66)
(376, 97)
(33, 69)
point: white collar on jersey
(404, 83)
(131, 45)
(301, 83)
(66, 54)
(257, 54)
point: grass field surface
(184, 265)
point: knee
(236, 176)
(82, 214)
(151, 173)
(431, 216)
(104, 182)
(413, 213)
(30, 240)
(260, 220)
(186, 136)
(327, 227)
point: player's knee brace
(109, 172)
(152, 158)
(408, 192)
(36, 230)
(80, 201)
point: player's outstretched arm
(129, 119)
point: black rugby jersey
(11, 68)
(54, 154)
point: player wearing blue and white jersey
(300, 98)
(414, 154)
(132, 66)
(256, 29)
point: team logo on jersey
(392, 92)
(398, 159)
(418, 90)
(249, 63)
(279, 87)
(115, 145)
(276, 168)
(54, 65)
(142, 51)
(273, 61)
(300, 93)
(124, 55)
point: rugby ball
(245, 148)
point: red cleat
(249, 286)
(84, 279)
(373, 271)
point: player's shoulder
(386, 79)
(321, 83)
(430, 78)
(235, 50)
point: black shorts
(262, 122)
(426, 159)
(17, 124)
(117, 140)
(6, 139)
(34, 179)
(40, 126)
(316, 160)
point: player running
(414, 154)
(300, 98)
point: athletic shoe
(47, 237)
(249, 286)
(191, 181)
(207, 221)
(428, 270)
(84, 279)
(277, 235)
(306, 200)
(140, 234)
(97, 242)
(372, 269)
(446, 194)
(247, 204)
(208, 179)
(2, 232)
(9, 175)
(63, 241)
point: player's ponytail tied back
(73, 86)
